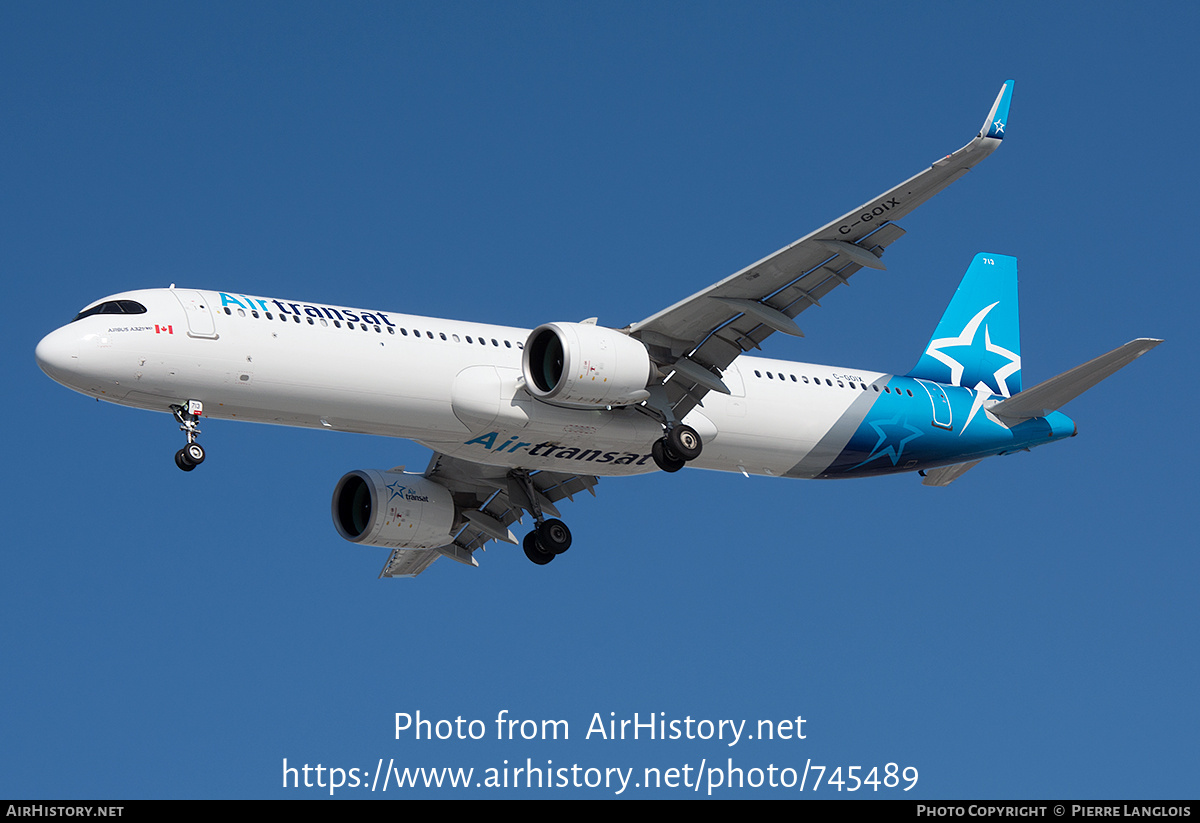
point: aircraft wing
(693, 341)
(490, 501)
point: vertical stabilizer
(977, 344)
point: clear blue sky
(1030, 631)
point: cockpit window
(113, 307)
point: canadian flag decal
(163, 329)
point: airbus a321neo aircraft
(520, 419)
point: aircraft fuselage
(457, 388)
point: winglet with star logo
(997, 118)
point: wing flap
(489, 504)
(827, 269)
(408, 562)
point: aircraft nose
(58, 354)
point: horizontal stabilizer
(947, 474)
(1049, 395)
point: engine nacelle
(579, 364)
(392, 509)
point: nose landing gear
(191, 455)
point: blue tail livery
(963, 401)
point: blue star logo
(397, 490)
(894, 435)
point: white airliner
(520, 419)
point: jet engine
(584, 365)
(392, 509)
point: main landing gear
(191, 455)
(680, 445)
(549, 538)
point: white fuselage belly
(419, 378)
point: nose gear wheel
(191, 455)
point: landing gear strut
(549, 538)
(191, 455)
(679, 445)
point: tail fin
(977, 344)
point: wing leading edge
(696, 339)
